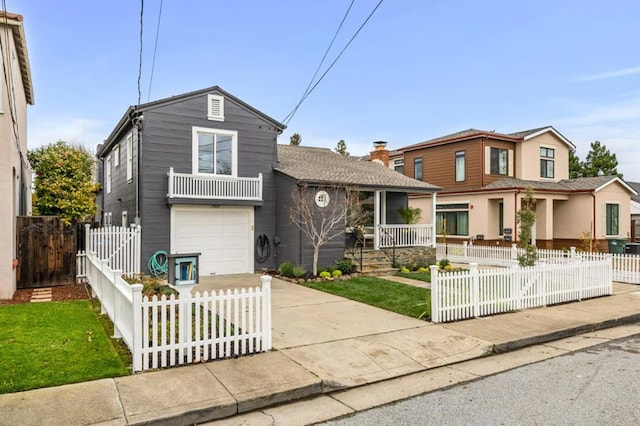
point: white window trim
(116, 156)
(130, 157)
(210, 115)
(107, 179)
(194, 149)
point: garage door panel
(223, 237)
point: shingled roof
(579, 184)
(323, 166)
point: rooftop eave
(14, 21)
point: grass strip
(396, 297)
(52, 344)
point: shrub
(337, 273)
(444, 263)
(325, 274)
(448, 268)
(405, 270)
(331, 268)
(298, 271)
(423, 269)
(286, 269)
(345, 266)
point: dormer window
(547, 156)
(215, 107)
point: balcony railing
(405, 236)
(214, 187)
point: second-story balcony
(214, 187)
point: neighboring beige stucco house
(16, 92)
(484, 176)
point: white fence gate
(168, 331)
(626, 267)
(474, 293)
(119, 246)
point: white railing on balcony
(214, 187)
(405, 236)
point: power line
(323, 58)
(140, 56)
(155, 49)
(290, 116)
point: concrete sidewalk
(323, 346)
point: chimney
(380, 153)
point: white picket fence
(626, 267)
(169, 331)
(474, 293)
(119, 246)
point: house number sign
(322, 198)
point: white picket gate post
(465, 249)
(435, 294)
(117, 275)
(266, 311)
(136, 290)
(475, 288)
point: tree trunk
(316, 253)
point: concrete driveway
(347, 343)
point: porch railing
(420, 235)
(214, 187)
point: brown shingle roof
(579, 184)
(321, 165)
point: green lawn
(54, 343)
(401, 298)
(422, 276)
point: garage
(223, 236)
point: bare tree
(321, 213)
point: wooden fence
(168, 331)
(46, 250)
(474, 293)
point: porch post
(433, 219)
(383, 208)
(376, 220)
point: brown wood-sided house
(484, 176)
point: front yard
(54, 343)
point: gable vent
(215, 107)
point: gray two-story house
(199, 173)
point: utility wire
(140, 56)
(155, 49)
(290, 116)
(323, 58)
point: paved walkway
(323, 346)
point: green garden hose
(158, 263)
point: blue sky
(419, 69)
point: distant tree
(64, 185)
(341, 147)
(322, 220)
(526, 218)
(600, 161)
(295, 139)
(575, 168)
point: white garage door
(223, 236)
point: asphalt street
(596, 386)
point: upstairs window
(417, 168)
(499, 161)
(398, 165)
(116, 156)
(215, 107)
(107, 182)
(129, 157)
(547, 165)
(613, 216)
(215, 151)
(460, 166)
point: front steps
(374, 262)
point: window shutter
(510, 160)
(215, 107)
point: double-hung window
(215, 151)
(107, 182)
(612, 217)
(398, 165)
(547, 165)
(499, 161)
(460, 166)
(417, 168)
(130, 157)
